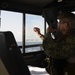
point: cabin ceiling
(27, 6)
(34, 6)
(38, 3)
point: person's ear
(66, 26)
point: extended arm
(37, 30)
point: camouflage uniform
(61, 47)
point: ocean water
(29, 43)
(31, 49)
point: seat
(3, 70)
(11, 56)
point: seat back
(3, 70)
(11, 55)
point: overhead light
(59, 0)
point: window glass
(12, 21)
(31, 37)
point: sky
(13, 21)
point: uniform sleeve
(48, 44)
(42, 37)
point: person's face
(63, 27)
